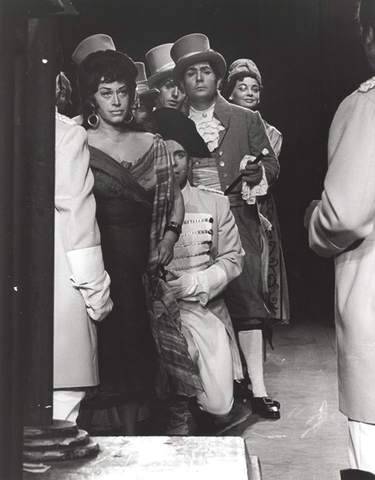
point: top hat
(142, 83)
(191, 49)
(244, 67)
(160, 63)
(175, 125)
(92, 44)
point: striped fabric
(177, 373)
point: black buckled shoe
(266, 407)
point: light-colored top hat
(92, 44)
(160, 63)
(142, 83)
(191, 49)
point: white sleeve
(346, 212)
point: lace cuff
(249, 194)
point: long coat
(81, 292)
(342, 225)
(208, 255)
(243, 134)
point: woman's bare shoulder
(145, 139)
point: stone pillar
(37, 222)
(11, 418)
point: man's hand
(252, 174)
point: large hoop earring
(93, 120)
(131, 118)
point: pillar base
(59, 441)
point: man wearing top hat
(207, 256)
(235, 136)
(144, 103)
(161, 68)
(143, 89)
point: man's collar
(222, 109)
(186, 193)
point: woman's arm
(165, 246)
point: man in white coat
(342, 225)
(81, 291)
(207, 256)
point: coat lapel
(223, 113)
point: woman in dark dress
(139, 212)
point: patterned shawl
(177, 372)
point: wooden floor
(309, 441)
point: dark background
(310, 57)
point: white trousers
(66, 404)
(209, 347)
(361, 446)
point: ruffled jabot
(208, 126)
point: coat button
(220, 153)
(221, 163)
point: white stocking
(251, 343)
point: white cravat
(208, 126)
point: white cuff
(213, 281)
(249, 194)
(86, 264)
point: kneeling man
(207, 256)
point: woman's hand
(252, 173)
(165, 248)
(309, 212)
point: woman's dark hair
(104, 66)
(366, 16)
(228, 87)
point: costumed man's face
(170, 95)
(246, 93)
(113, 102)
(200, 82)
(180, 159)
